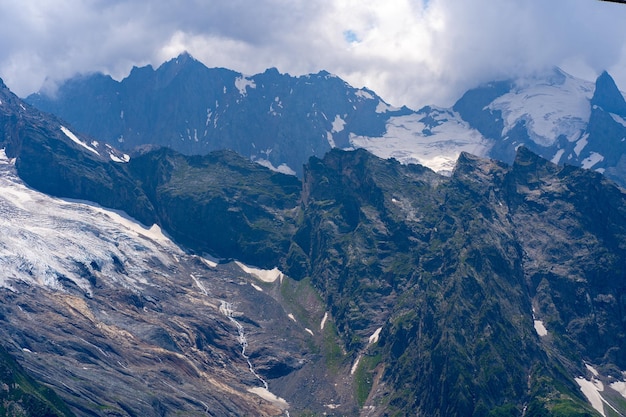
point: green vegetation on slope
(22, 396)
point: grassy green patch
(303, 301)
(331, 348)
(364, 377)
(21, 395)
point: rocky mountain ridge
(193, 109)
(448, 267)
(494, 291)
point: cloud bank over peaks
(410, 52)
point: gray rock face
(120, 321)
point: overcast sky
(412, 52)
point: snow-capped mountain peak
(550, 106)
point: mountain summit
(561, 118)
(607, 96)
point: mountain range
(164, 282)
(193, 109)
(280, 121)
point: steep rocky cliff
(460, 272)
(221, 203)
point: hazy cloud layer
(412, 52)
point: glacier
(47, 241)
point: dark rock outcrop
(221, 203)
(608, 96)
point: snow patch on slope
(374, 337)
(267, 395)
(210, 262)
(618, 119)
(364, 94)
(591, 390)
(371, 340)
(540, 328)
(355, 365)
(75, 139)
(265, 275)
(282, 168)
(331, 140)
(124, 159)
(593, 159)
(338, 124)
(619, 386)
(243, 83)
(557, 156)
(323, 323)
(383, 107)
(581, 144)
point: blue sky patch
(350, 36)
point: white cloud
(411, 52)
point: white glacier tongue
(551, 106)
(119, 301)
(45, 241)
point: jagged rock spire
(608, 96)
